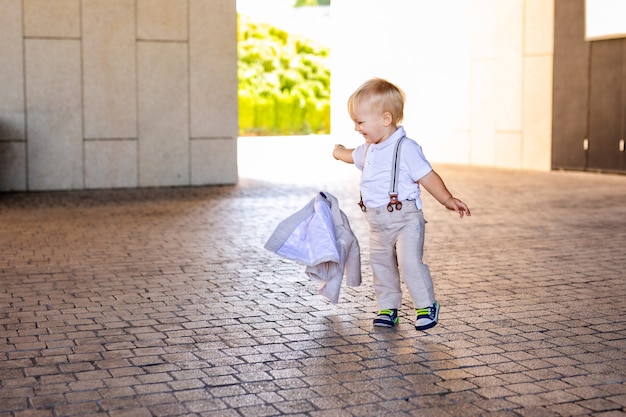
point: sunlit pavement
(163, 302)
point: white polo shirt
(376, 165)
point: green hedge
(284, 82)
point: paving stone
(163, 302)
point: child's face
(370, 122)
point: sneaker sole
(427, 326)
(387, 325)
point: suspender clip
(393, 202)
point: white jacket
(319, 236)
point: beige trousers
(396, 250)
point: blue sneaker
(427, 317)
(386, 318)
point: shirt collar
(391, 140)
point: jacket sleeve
(351, 253)
(353, 263)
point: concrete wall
(477, 74)
(117, 93)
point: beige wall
(477, 74)
(117, 93)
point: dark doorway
(589, 106)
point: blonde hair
(383, 96)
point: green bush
(284, 82)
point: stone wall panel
(539, 27)
(537, 149)
(13, 166)
(163, 114)
(213, 80)
(52, 18)
(508, 65)
(110, 69)
(111, 164)
(11, 71)
(212, 161)
(162, 20)
(54, 109)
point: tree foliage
(302, 3)
(284, 82)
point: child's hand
(457, 205)
(338, 148)
(341, 153)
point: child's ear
(387, 118)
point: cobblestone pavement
(163, 302)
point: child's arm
(343, 154)
(433, 183)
